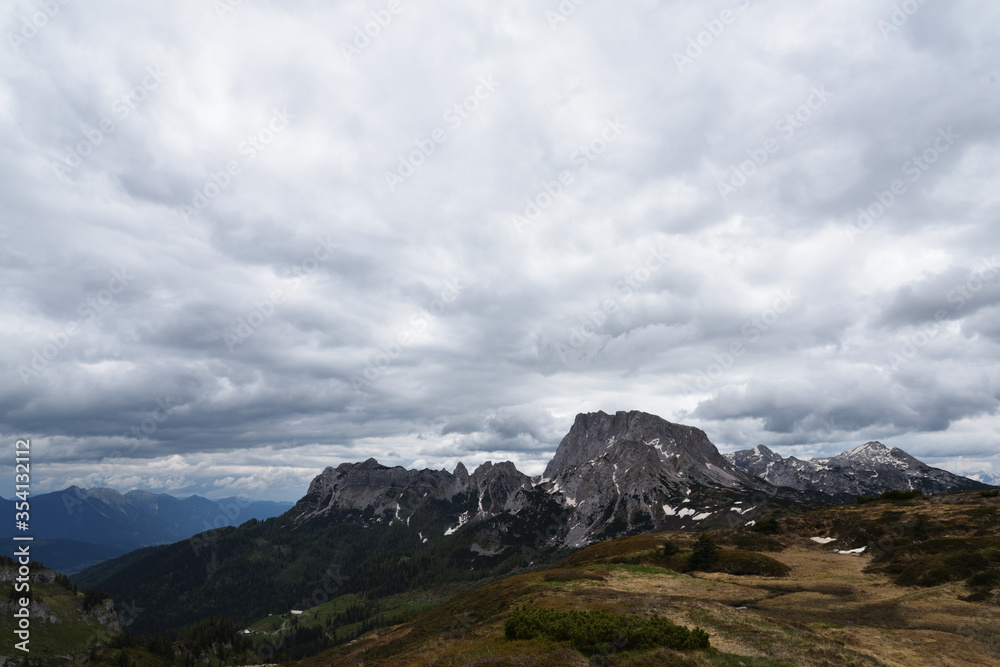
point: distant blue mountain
(75, 528)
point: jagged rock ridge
(379, 490)
(867, 470)
(611, 475)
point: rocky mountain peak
(872, 447)
(595, 433)
(766, 453)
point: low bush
(669, 549)
(750, 563)
(990, 493)
(891, 495)
(942, 568)
(728, 561)
(917, 531)
(590, 632)
(769, 525)
(755, 543)
(986, 579)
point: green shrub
(990, 493)
(918, 531)
(755, 543)
(591, 632)
(705, 553)
(749, 563)
(966, 561)
(769, 525)
(940, 569)
(668, 549)
(987, 578)
(896, 494)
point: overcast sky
(242, 241)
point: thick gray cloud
(243, 241)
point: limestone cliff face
(633, 471)
(378, 490)
(683, 454)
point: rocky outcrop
(105, 614)
(380, 491)
(54, 604)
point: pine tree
(705, 554)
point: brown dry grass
(828, 611)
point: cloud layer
(241, 241)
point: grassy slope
(50, 640)
(395, 609)
(831, 609)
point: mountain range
(986, 478)
(611, 475)
(867, 470)
(76, 527)
(377, 530)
